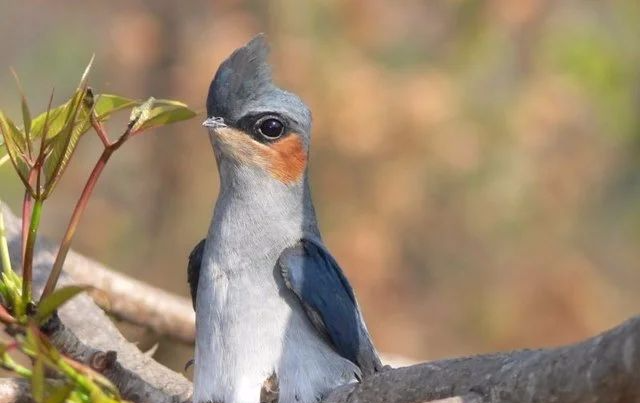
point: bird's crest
(242, 77)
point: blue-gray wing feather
(193, 270)
(324, 292)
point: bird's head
(252, 122)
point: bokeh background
(475, 164)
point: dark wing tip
(239, 78)
(193, 270)
(314, 276)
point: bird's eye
(271, 128)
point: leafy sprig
(40, 151)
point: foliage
(40, 151)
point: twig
(99, 129)
(81, 204)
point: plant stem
(27, 206)
(27, 264)
(73, 223)
(5, 316)
(11, 365)
(81, 204)
(99, 128)
(4, 249)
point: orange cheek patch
(240, 146)
(286, 158)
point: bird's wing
(193, 270)
(316, 279)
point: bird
(276, 318)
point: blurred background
(475, 164)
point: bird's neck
(258, 210)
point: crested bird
(276, 318)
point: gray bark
(604, 369)
(135, 302)
(14, 390)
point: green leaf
(85, 74)
(37, 380)
(105, 106)
(12, 291)
(5, 260)
(60, 148)
(55, 124)
(26, 117)
(58, 151)
(59, 394)
(57, 119)
(141, 113)
(108, 104)
(53, 301)
(4, 156)
(163, 112)
(26, 114)
(14, 138)
(16, 144)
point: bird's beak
(214, 123)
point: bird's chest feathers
(242, 322)
(239, 284)
(239, 263)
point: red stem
(79, 209)
(75, 219)
(5, 316)
(99, 128)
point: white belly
(249, 328)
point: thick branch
(136, 302)
(603, 369)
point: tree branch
(604, 369)
(83, 332)
(136, 302)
